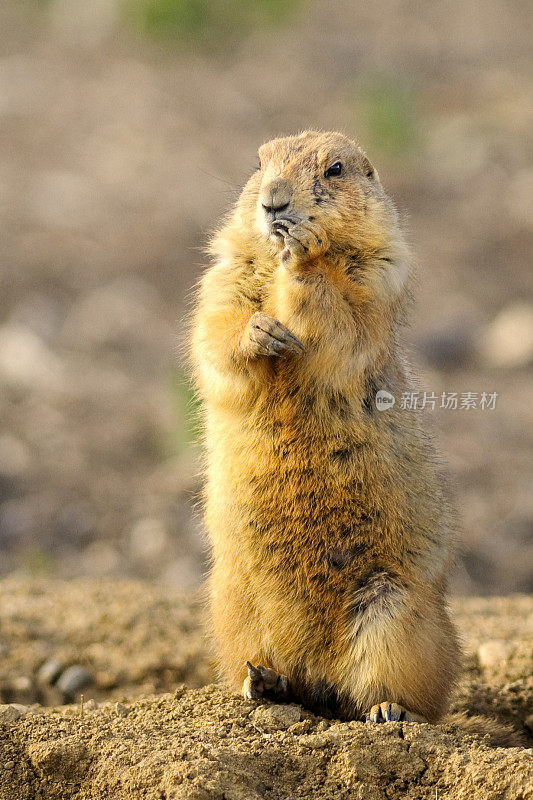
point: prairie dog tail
(500, 734)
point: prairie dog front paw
(304, 241)
(266, 336)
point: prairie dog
(331, 537)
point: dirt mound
(207, 743)
(114, 641)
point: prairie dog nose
(276, 196)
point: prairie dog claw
(391, 712)
(304, 241)
(268, 337)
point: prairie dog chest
(313, 307)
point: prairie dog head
(325, 176)
(325, 180)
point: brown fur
(330, 533)
(496, 733)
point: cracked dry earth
(205, 743)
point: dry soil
(133, 639)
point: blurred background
(127, 127)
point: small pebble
(314, 741)
(49, 671)
(121, 710)
(9, 764)
(493, 653)
(508, 340)
(66, 758)
(90, 705)
(10, 713)
(276, 717)
(22, 709)
(301, 727)
(73, 680)
(25, 360)
(148, 540)
(22, 683)
(450, 347)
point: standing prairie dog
(330, 534)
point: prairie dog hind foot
(265, 683)
(391, 712)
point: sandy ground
(133, 640)
(209, 745)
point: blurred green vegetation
(388, 110)
(211, 22)
(36, 562)
(187, 430)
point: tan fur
(330, 534)
(498, 734)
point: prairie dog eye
(334, 171)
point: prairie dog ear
(368, 169)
